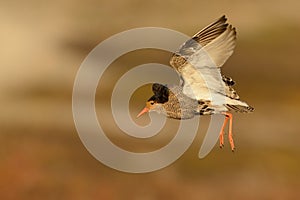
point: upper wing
(198, 60)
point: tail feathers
(240, 108)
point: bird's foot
(230, 138)
(221, 138)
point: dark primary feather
(211, 32)
(241, 109)
(199, 40)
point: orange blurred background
(43, 45)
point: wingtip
(233, 30)
(223, 18)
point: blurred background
(42, 47)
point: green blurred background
(42, 47)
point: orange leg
(222, 132)
(228, 116)
(230, 138)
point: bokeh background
(42, 47)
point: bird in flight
(203, 89)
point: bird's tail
(239, 106)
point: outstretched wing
(198, 60)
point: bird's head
(161, 95)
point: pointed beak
(145, 110)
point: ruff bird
(203, 90)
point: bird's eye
(151, 102)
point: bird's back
(180, 106)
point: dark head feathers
(161, 93)
(159, 89)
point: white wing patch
(202, 84)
